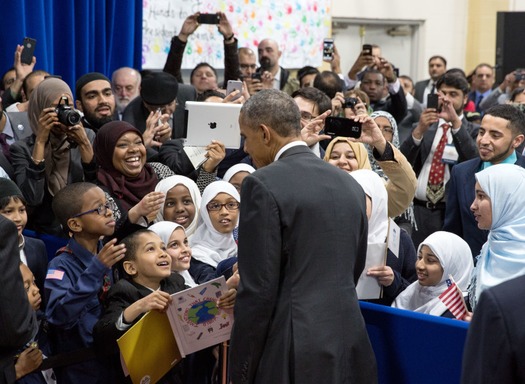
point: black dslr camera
(350, 102)
(66, 114)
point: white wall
(442, 29)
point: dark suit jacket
(302, 247)
(460, 195)
(20, 124)
(395, 104)
(136, 114)
(464, 141)
(495, 346)
(17, 319)
(420, 90)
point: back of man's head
(275, 109)
(32, 80)
(453, 80)
(329, 82)
(515, 118)
(320, 98)
(159, 88)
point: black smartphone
(208, 18)
(433, 101)
(28, 51)
(367, 49)
(328, 49)
(341, 126)
(256, 75)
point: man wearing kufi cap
(94, 97)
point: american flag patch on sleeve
(55, 274)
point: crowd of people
(301, 224)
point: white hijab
(165, 185)
(209, 245)
(374, 188)
(456, 259)
(240, 167)
(164, 229)
(501, 257)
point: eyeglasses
(102, 210)
(231, 206)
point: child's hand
(111, 253)
(233, 281)
(227, 301)
(28, 361)
(215, 154)
(150, 205)
(157, 300)
(383, 274)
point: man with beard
(94, 97)
(441, 139)
(126, 86)
(271, 72)
(501, 133)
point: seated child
(182, 196)
(439, 255)
(147, 286)
(32, 251)
(79, 276)
(236, 174)
(213, 240)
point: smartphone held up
(341, 126)
(208, 18)
(28, 51)
(328, 49)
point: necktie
(478, 101)
(433, 90)
(5, 146)
(436, 186)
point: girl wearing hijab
(498, 207)
(399, 271)
(350, 155)
(55, 155)
(439, 255)
(388, 125)
(213, 240)
(236, 174)
(182, 203)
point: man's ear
(266, 133)
(129, 267)
(518, 140)
(78, 103)
(74, 225)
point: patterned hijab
(455, 258)
(395, 141)
(359, 149)
(501, 257)
(209, 245)
(56, 152)
(128, 190)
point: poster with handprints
(299, 26)
(196, 320)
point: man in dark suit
(17, 319)
(482, 83)
(437, 66)
(14, 126)
(302, 246)
(421, 147)
(495, 346)
(502, 131)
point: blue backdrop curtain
(74, 37)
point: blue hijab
(502, 256)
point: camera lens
(67, 116)
(350, 102)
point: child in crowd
(147, 286)
(236, 174)
(182, 196)
(78, 277)
(213, 240)
(439, 255)
(32, 251)
(31, 358)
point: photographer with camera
(59, 152)
(502, 93)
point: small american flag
(55, 274)
(453, 299)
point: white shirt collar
(288, 146)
